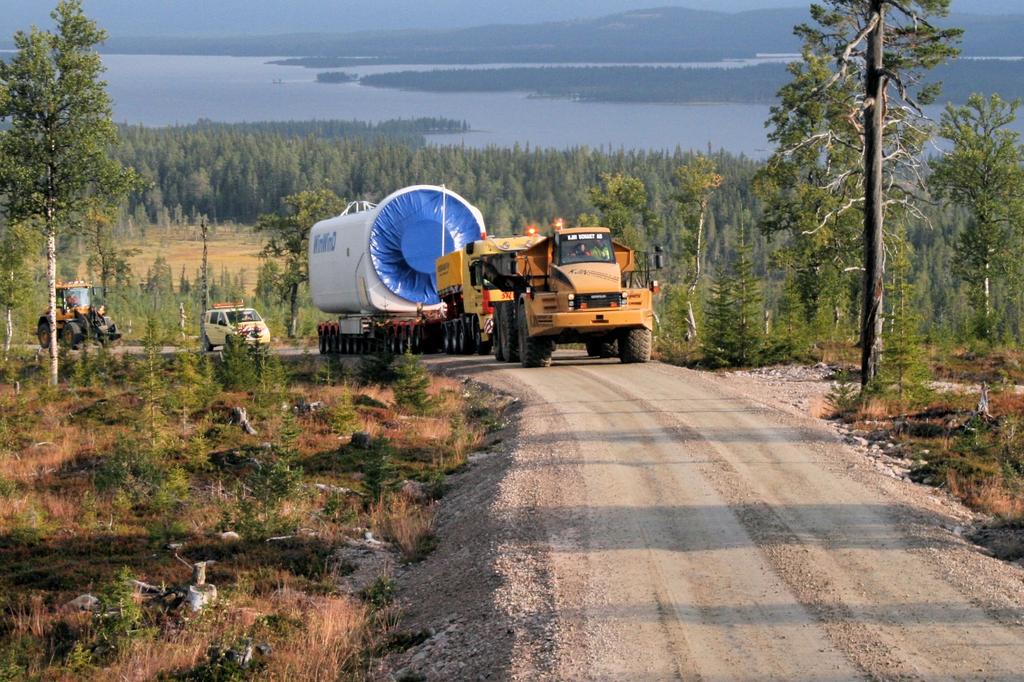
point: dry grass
(330, 645)
(408, 525)
(41, 458)
(32, 618)
(321, 638)
(230, 247)
(875, 409)
(431, 429)
(989, 496)
(379, 393)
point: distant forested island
(336, 77)
(670, 84)
(667, 84)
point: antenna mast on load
(444, 196)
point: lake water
(161, 90)
(166, 90)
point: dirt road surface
(655, 523)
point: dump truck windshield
(74, 298)
(236, 316)
(586, 247)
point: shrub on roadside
(377, 368)
(118, 617)
(411, 384)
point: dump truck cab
(577, 286)
(80, 315)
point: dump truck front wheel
(508, 335)
(534, 351)
(635, 346)
(601, 348)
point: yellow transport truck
(469, 298)
(576, 286)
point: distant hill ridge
(669, 34)
(651, 35)
(265, 17)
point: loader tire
(534, 351)
(43, 334)
(72, 335)
(635, 346)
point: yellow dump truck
(469, 298)
(576, 286)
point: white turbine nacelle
(380, 259)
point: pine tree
(272, 377)
(153, 381)
(748, 308)
(719, 339)
(850, 129)
(344, 418)
(237, 368)
(194, 387)
(734, 315)
(905, 370)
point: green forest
(672, 84)
(232, 174)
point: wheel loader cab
(72, 298)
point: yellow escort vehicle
(233, 319)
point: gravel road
(654, 523)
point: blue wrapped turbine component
(406, 239)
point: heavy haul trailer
(577, 286)
(469, 298)
(374, 267)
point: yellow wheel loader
(80, 316)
